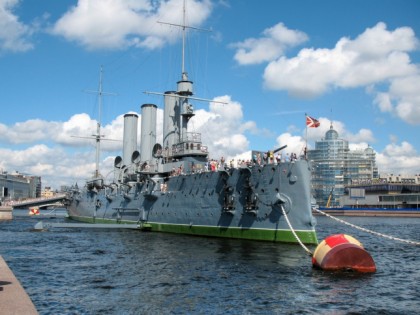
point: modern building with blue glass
(335, 166)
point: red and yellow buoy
(341, 252)
(34, 211)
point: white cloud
(363, 136)
(117, 24)
(78, 131)
(377, 42)
(14, 35)
(274, 42)
(27, 132)
(402, 99)
(399, 159)
(295, 144)
(375, 56)
(222, 128)
(383, 100)
(61, 152)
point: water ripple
(89, 271)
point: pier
(6, 213)
(13, 297)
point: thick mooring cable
(294, 233)
(367, 230)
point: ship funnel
(148, 132)
(130, 138)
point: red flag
(312, 122)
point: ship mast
(98, 126)
(184, 74)
(98, 135)
(184, 27)
(177, 110)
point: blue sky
(352, 63)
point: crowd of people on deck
(213, 165)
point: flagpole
(306, 133)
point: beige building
(47, 193)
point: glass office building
(335, 166)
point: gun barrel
(281, 148)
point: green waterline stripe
(113, 221)
(276, 235)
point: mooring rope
(294, 233)
(367, 230)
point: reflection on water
(91, 271)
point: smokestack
(130, 138)
(148, 132)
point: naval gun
(279, 149)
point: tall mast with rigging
(98, 135)
(177, 110)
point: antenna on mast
(98, 135)
(184, 28)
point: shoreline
(13, 297)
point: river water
(98, 271)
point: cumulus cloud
(117, 24)
(398, 159)
(27, 132)
(375, 56)
(270, 46)
(402, 99)
(54, 164)
(295, 144)
(78, 131)
(14, 35)
(222, 127)
(377, 59)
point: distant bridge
(55, 201)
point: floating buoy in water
(34, 211)
(341, 252)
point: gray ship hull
(242, 202)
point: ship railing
(189, 148)
(191, 137)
